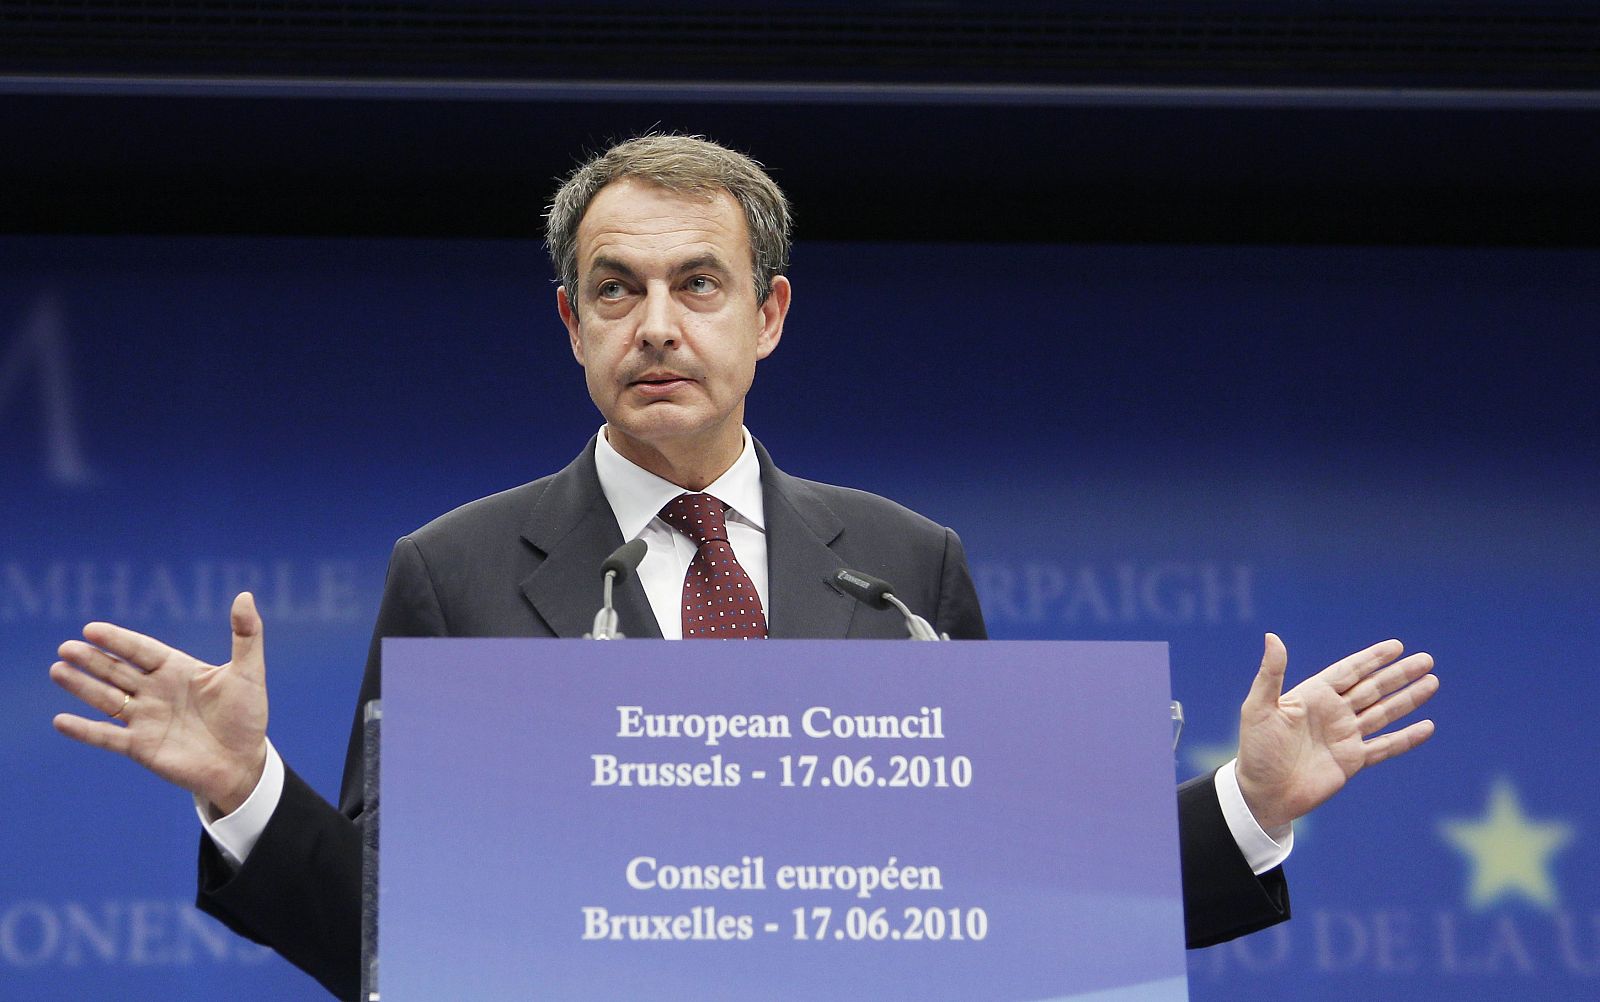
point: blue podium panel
(778, 820)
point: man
(671, 253)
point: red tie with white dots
(719, 599)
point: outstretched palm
(200, 726)
(1297, 749)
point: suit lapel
(575, 530)
(800, 527)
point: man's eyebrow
(703, 262)
(608, 265)
(612, 266)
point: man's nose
(658, 326)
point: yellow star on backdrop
(1510, 854)
(1209, 758)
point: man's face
(665, 321)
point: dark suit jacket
(525, 563)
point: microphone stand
(919, 628)
(605, 620)
(878, 594)
(616, 568)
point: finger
(145, 652)
(98, 733)
(1398, 705)
(1268, 686)
(1399, 742)
(1346, 672)
(108, 699)
(89, 658)
(248, 645)
(1391, 679)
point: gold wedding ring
(126, 699)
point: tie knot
(698, 516)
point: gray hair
(688, 165)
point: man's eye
(610, 290)
(701, 283)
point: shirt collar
(636, 495)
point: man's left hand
(1299, 748)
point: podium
(777, 820)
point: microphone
(614, 571)
(877, 593)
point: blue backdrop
(1188, 444)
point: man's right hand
(202, 727)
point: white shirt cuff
(1261, 850)
(236, 834)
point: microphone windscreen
(862, 587)
(624, 559)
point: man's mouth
(658, 382)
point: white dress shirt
(636, 497)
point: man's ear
(569, 316)
(773, 312)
